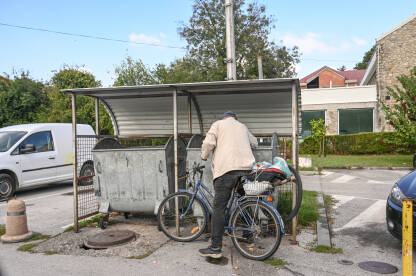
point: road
(359, 226)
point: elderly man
(231, 143)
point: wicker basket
(257, 187)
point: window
(355, 120)
(308, 116)
(9, 138)
(313, 83)
(42, 141)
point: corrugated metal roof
(265, 106)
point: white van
(37, 154)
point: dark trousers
(223, 187)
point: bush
(361, 143)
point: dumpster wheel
(103, 223)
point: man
(231, 143)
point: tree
(402, 113)
(20, 99)
(205, 35)
(132, 72)
(318, 134)
(366, 59)
(59, 109)
(342, 68)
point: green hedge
(361, 143)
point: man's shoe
(211, 252)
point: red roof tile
(348, 74)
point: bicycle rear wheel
(285, 197)
(255, 230)
(192, 217)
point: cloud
(359, 41)
(314, 43)
(163, 35)
(143, 38)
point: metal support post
(175, 147)
(294, 154)
(190, 113)
(230, 41)
(97, 117)
(75, 158)
(407, 237)
(260, 66)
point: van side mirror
(27, 148)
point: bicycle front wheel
(180, 218)
(255, 230)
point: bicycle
(254, 225)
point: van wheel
(87, 170)
(7, 186)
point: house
(395, 55)
(327, 77)
(336, 97)
(348, 101)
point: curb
(364, 168)
(322, 225)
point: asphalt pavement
(359, 229)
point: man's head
(229, 114)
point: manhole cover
(345, 262)
(378, 267)
(109, 238)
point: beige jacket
(231, 143)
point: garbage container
(135, 179)
(193, 156)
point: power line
(91, 36)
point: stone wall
(396, 55)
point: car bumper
(394, 219)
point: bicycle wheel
(192, 221)
(285, 197)
(255, 230)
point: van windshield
(9, 138)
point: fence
(84, 192)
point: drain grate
(378, 267)
(109, 238)
(345, 262)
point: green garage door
(355, 120)
(308, 116)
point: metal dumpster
(135, 179)
(261, 153)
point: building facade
(395, 55)
(327, 77)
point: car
(37, 154)
(404, 188)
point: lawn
(336, 161)
(308, 212)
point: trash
(345, 262)
(235, 267)
(196, 228)
(155, 262)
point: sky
(332, 33)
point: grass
(28, 247)
(39, 237)
(327, 250)
(276, 262)
(85, 223)
(145, 255)
(308, 212)
(50, 252)
(2, 230)
(337, 161)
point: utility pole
(260, 66)
(230, 41)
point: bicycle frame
(199, 189)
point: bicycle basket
(257, 187)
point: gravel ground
(148, 239)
